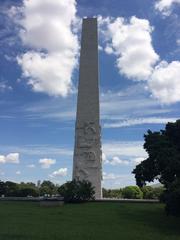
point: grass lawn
(88, 221)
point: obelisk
(87, 162)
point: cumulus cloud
(131, 42)
(165, 6)
(115, 160)
(18, 172)
(47, 162)
(126, 39)
(132, 122)
(46, 28)
(61, 172)
(10, 158)
(165, 82)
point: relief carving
(90, 156)
(87, 135)
(85, 160)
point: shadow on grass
(152, 217)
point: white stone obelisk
(87, 162)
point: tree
(77, 191)
(132, 192)
(2, 188)
(27, 189)
(163, 163)
(11, 189)
(47, 188)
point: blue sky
(139, 56)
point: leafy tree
(163, 163)
(28, 191)
(132, 192)
(11, 189)
(2, 188)
(47, 187)
(77, 191)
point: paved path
(127, 200)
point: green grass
(89, 221)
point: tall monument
(87, 162)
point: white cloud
(115, 161)
(2, 159)
(47, 162)
(62, 172)
(131, 42)
(18, 172)
(132, 122)
(31, 166)
(165, 82)
(126, 40)
(108, 49)
(138, 160)
(5, 87)
(125, 150)
(178, 42)
(165, 6)
(134, 104)
(110, 176)
(113, 180)
(100, 48)
(46, 27)
(39, 150)
(10, 158)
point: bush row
(12, 189)
(75, 190)
(134, 192)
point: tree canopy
(163, 162)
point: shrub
(152, 193)
(77, 191)
(112, 193)
(27, 191)
(132, 192)
(147, 192)
(157, 192)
